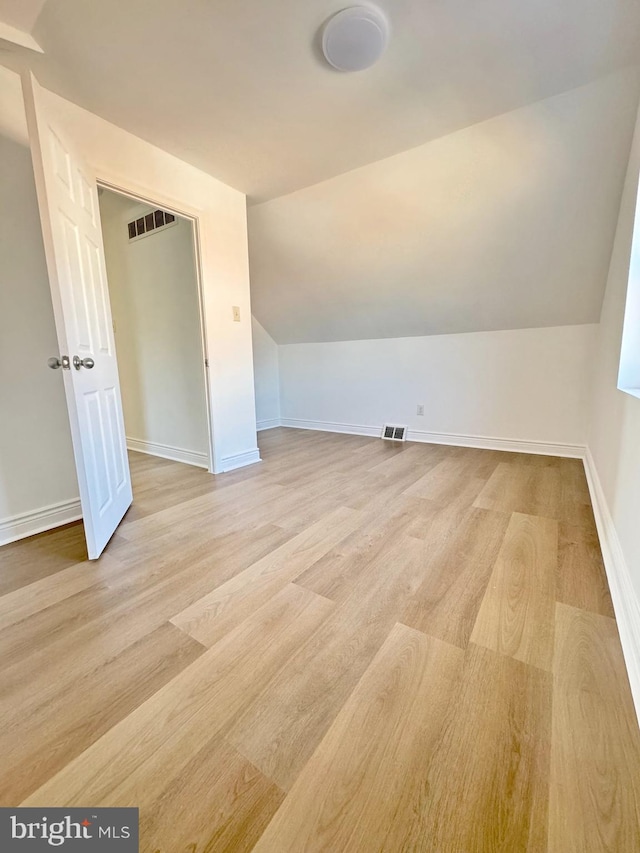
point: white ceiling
(237, 88)
(452, 187)
(504, 225)
(22, 14)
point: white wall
(614, 435)
(127, 162)
(507, 224)
(267, 377)
(154, 302)
(36, 458)
(529, 385)
(613, 457)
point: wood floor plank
(376, 493)
(133, 761)
(460, 555)
(280, 729)
(154, 602)
(581, 580)
(336, 572)
(163, 486)
(41, 594)
(309, 503)
(575, 500)
(218, 508)
(41, 556)
(42, 742)
(214, 556)
(522, 488)
(448, 479)
(438, 520)
(595, 758)
(337, 457)
(219, 803)
(409, 457)
(348, 798)
(534, 460)
(210, 618)
(517, 614)
(555, 491)
(36, 635)
(486, 790)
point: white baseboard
(331, 426)
(511, 445)
(249, 457)
(271, 423)
(38, 520)
(625, 600)
(482, 442)
(166, 451)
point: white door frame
(149, 196)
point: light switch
(236, 313)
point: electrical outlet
(420, 409)
(236, 314)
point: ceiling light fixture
(355, 38)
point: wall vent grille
(393, 432)
(153, 221)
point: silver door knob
(82, 362)
(54, 362)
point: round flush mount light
(355, 38)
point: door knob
(54, 362)
(82, 362)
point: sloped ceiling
(507, 224)
(21, 14)
(237, 88)
(468, 181)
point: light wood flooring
(351, 647)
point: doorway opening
(156, 306)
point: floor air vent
(394, 433)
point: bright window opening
(629, 373)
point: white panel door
(70, 217)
